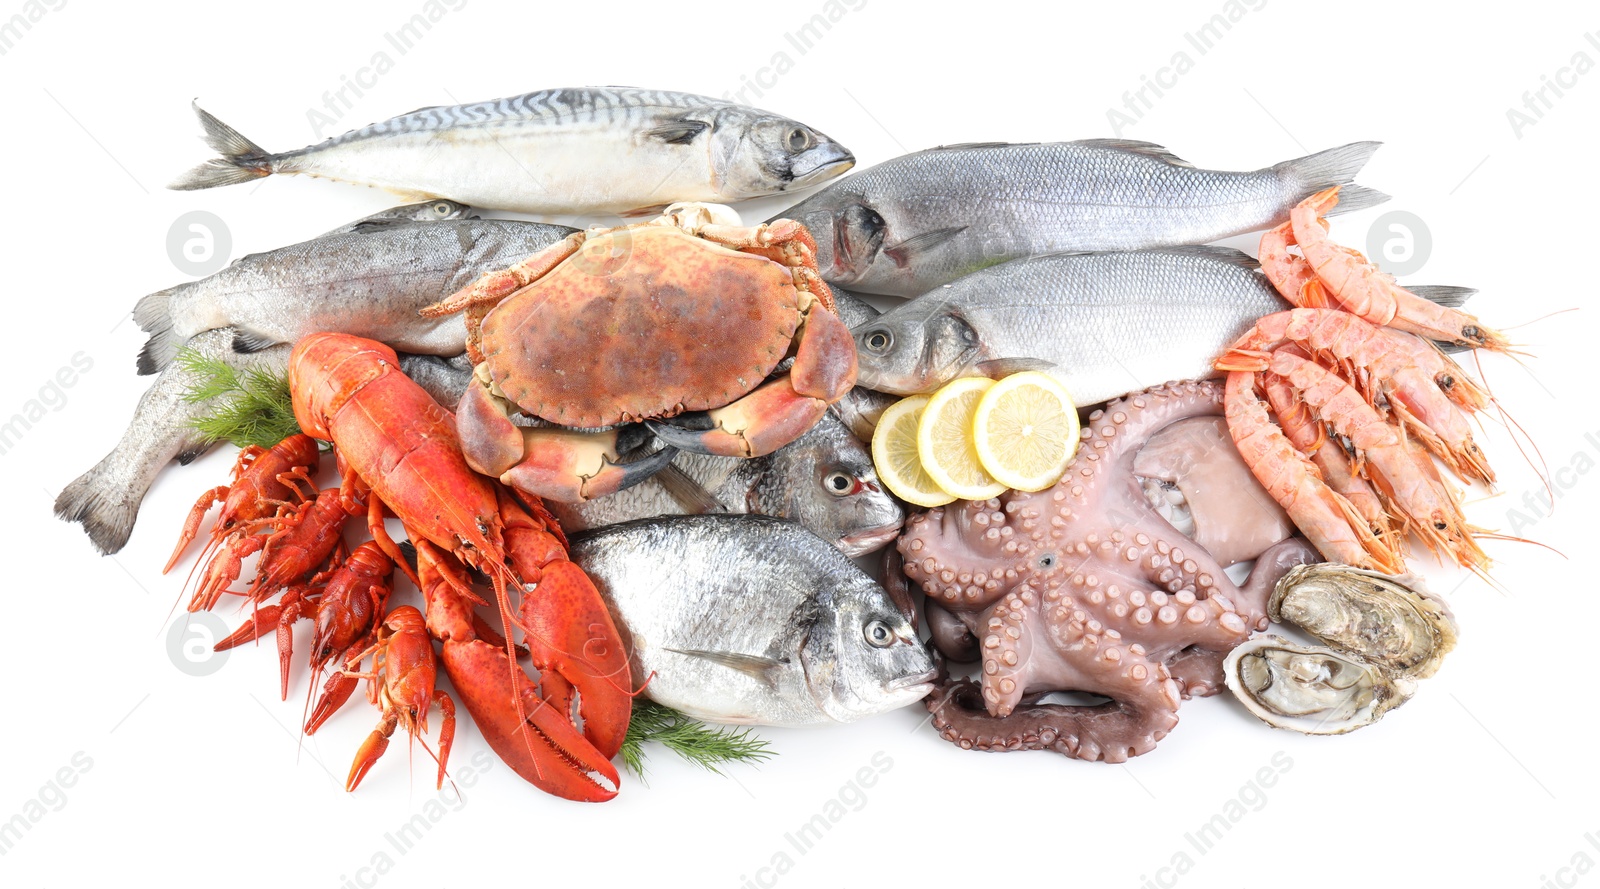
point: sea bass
(753, 620)
(589, 150)
(910, 224)
(1105, 324)
(824, 480)
(106, 498)
(369, 280)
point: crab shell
(642, 322)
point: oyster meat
(1308, 689)
(1389, 621)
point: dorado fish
(1105, 324)
(753, 620)
(106, 498)
(910, 224)
(824, 480)
(589, 150)
(368, 281)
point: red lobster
(399, 448)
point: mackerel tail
(241, 160)
(1305, 176)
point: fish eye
(1046, 561)
(879, 635)
(441, 209)
(839, 483)
(878, 340)
(799, 139)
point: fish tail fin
(106, 517)
(1443, 294)
(241, 160)
(153, 314)
(1308, 175)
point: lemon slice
(894, 454)
(944, 440)
(1025, 430)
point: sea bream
(915, 222)
(752, 620)
(585, 150)
(368, 279)
(106, 498)
(824, 480)
(1105, 324)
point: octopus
(1101, 583)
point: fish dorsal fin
(679, 131)
(763, 669)
(906, 252)
(959, 145)
(1148, 149)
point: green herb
(690, 738)
(254, 409)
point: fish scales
(1110, 323)
(582, 150)
(752, 620)
(368, 282)
(912, 223)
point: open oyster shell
(1390, 621)
(1309, 689)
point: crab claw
(573, 467)
(758, 424)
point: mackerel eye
(877, 341)
(799, 139)
(839, 483)
(441, 209)
(878, 634)
(1046, 561)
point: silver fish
(1105, 324)
(910, 224)
(588, 150)
(106, 498)
(369, 281)
(425, 211)
(753, 620)
(861, 407)
(824, 480)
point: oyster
(1389, 621)
(1308, 689)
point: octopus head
(970, 554)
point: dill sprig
(251, 409)
(701, 744)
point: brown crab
(681, 318)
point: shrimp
(1422, 388)
(1423, 502)
(1361, 288)
(1327, 519)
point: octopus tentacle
(1143, 706)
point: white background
(1487, 774)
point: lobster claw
(536, 738)
(574, 645)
